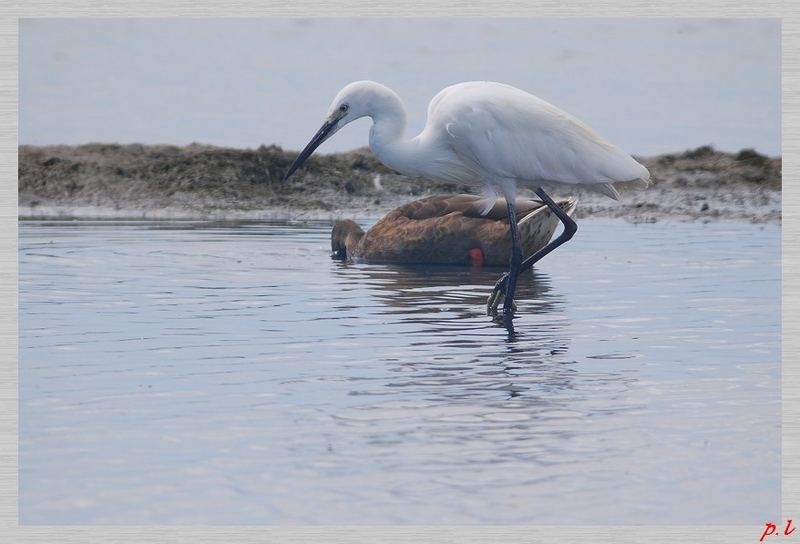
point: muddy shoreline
(109, 181)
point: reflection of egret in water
(525, 391)
(451, 395)
(447, 382)
(434, 305)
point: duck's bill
(322, 134)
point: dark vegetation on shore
(202, 178)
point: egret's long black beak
(321, 135)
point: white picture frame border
(13, 10)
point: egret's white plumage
(486, 134)
(491, 134)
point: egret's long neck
(386, 138)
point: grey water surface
(232, 373)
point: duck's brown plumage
(448, 229)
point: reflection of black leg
(516, 260)
(570, 227)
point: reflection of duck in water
(431, 287)
(448, 229)
(441, 298)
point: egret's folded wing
(510, 134)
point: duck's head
(344, 239)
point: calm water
(235, 374)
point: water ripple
(233, 373)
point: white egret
(491, 135)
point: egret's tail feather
(489, 199)
(607, 189)
(640, 183)
(610, 189)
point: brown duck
(448, 229)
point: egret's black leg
(515, 263)
(570, 227)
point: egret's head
(354, 101)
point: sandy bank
(204, 182)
